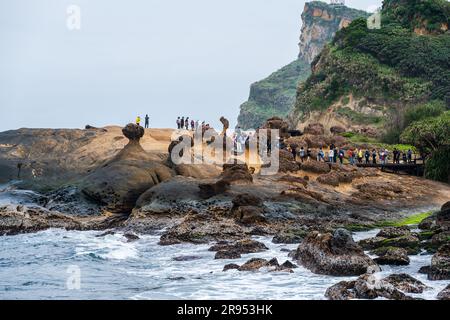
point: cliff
(367, 80)
(275, 95)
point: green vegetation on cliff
(432, 137)
(392, 69)
(273, 96)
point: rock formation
(333, 254)
(123, 179)
(275, 95)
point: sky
(164, 58)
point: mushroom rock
(122, 180)
(133, 132)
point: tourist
(138, 120)
(405, 158)
(186, 123)
(341, 156)
(302, 154)
(374, 156)
(147, 121)
(410, 153)
(294, 150)
(179, 123)
(382, 157)
(321, 155)
(360, 155)
(192, 125)
(331, 155)
(351, 156)
(396, 154)
(335, 152)
(196, 124)
(182, 123)
(367, 156)
(308, 154)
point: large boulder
(393, 256)
(248, 209)
(394, 232)
(314, 129)
(406, 283)
(237, 173)
(277, 123)
(333, 254)
(440, 264)
(337, 130)
(443, 217)
(122, 180)
(315, 167)
(245, 246)
(368, 286)
(178, 195)
(287, 162)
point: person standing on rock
(138, 120)
(360, 155)
(341, 156)
(410, 156)
(186, 123)
(192, 125)
(374, 156)
(367, 156)
(147, 121)
(302, 154)
(294, 151)
(178, 123)
(331, 155)
(321, 155)
(182, 123)
(351, 156)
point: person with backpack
(341, 156)
(367, 156)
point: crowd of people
(354, 156)
(185, 123)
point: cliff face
(366, 80)
(320, 23)
(275, 95)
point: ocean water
(59, 264)
(40, 266)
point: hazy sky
(167, 58)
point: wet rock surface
(333, 254)
(368, 286)
(444, 294)
(393, 256)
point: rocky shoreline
(139, 191)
